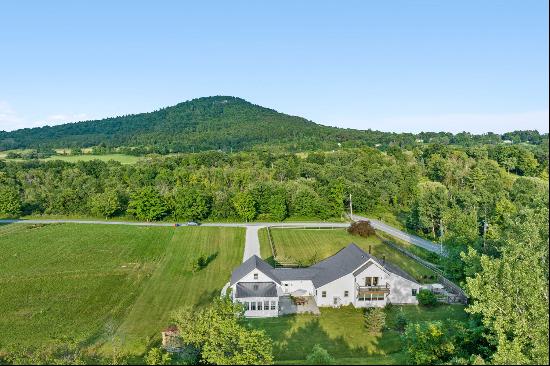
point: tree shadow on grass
(210, 258)
(294, 342)
(206, 297)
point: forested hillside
(228, 124)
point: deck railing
(377, 288)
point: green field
(124, 159)
(94, 283)
(312, 245)
(342, 333)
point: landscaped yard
(342, 333)
(93, 283)
(308, 246)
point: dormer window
(255, 276)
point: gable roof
(295, 274)
(351, 259)
(339, 264)
(250, 264)
(256, 289)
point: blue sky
(389, 65)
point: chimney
(383, 260)
(370, 248)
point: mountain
(211, 123)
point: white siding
(401, 290)
(250, 278)
(337, 289)
(291, 286)
(261, 277)
(384, 277)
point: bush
(375, 320)
(157, 356)
(426, 298)
(401, 322)
(319, 356)
(200, 263)
(362, 228)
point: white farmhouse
(350, 276)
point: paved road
(218, 224)
(409, 238)
(252, 242)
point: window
(266, 305)
(246, 305)
(273, 305)
(259, 305)
(346, 293)
(378, 297)
(365, 297)
(253, 306)
(324, 294)
(414, 291)
(255, 276)
(371, 281)
(256, 287)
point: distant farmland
(92, 283)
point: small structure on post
(171, 340)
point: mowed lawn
(342, 333)
(312, 245)
(94, 283)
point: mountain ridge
(212, 123)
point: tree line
(488, 205)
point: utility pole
(441, 232)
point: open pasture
(93, 284)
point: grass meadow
(95, 284)
(342, 333)
(87, 156)
(124, 159)
(312, 245)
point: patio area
(297, 305)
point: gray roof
(295, 274)
(398, 271)
(250, 264)
(256, 289)
(345, 261)
(339, 265)
(362, 268)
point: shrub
(401, 322)
(319, 356)
(426, 298)
(362, 228)
(157, 356)
(200, 263)
(375, 320)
